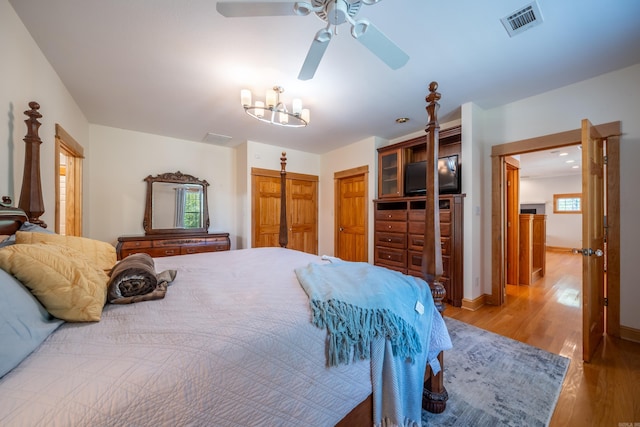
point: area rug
(496, 381)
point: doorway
(499, 153)
(68, 184)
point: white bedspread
(231, 344)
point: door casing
(610, 131)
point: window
(567, 203)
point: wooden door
(512, 232)
(593, 233)
(302, 215)
(265, 215)
(302, 210)
(351, 215)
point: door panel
(266, 213)
(302, 213)
(593, 277)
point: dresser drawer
(445, 229)
(179, 242)
(137, 244)
(391, 226)
(445, 216)
(416, 242)
(391, 215)
(196, 249)
(414, 261)
(417, 215)
(445, 244)
(390, 256)
(416, 227)
(391, 240)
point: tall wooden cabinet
(400, 219)
(532, 250)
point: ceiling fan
(334, 13)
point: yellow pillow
(63, 279)
(101, 253)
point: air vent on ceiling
(522, 19)
(214, 138)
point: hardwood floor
(548, 315)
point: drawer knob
(389, 216)
(388, 240)
(388, 256)
(389, 226)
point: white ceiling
(175, 68)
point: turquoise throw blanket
(357, 302)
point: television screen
(415, 178)
(448, 176)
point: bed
(239, 350)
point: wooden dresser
(399, 237)
(159, 245)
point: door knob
(341, 229)
(587, 251)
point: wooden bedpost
(31, 194)
(283, 238)
(435, 395)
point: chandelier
(275, 111)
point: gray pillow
(27, 226)
(24, 322)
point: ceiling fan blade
(254, 8)
(316, 51)
(379, 44)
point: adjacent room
(325, 212)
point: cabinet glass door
(390, 174)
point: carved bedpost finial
(283, 236)
(283, 162)
(31, 193)
(432, 105)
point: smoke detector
(522, 19)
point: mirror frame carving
(175, 178)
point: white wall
(610, 97)
(27, 76)
(361, 153)
(120, 161)
(563, 230)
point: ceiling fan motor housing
(337, 12)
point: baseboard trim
(626, 333)
(475, 303)
(559, 249)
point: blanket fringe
(351, 330)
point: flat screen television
(415, 176)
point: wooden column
(31, 194)
(283, 238)
(435, 395)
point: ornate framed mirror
(176, 203)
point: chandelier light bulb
(273, 110)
